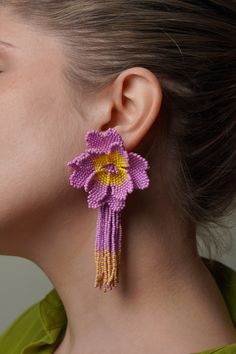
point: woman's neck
(165, 297)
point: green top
(41, 328)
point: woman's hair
(191, 47)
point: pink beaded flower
(107, 171)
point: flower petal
(83, 167)
(137, 170)
(77, 179)
(89, 182)
(102, 140)
(83, 161)
(116, 204)
(97, 193)
(121, 159)
(120, 192)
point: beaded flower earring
(108, 173)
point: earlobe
(137, 98)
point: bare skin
(167, 302)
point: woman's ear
(132, 104)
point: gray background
(23, 283)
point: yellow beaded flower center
(111, 168)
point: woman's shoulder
(39, 328)
(42, 326)
(225, 277)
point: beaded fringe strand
(108, 248)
